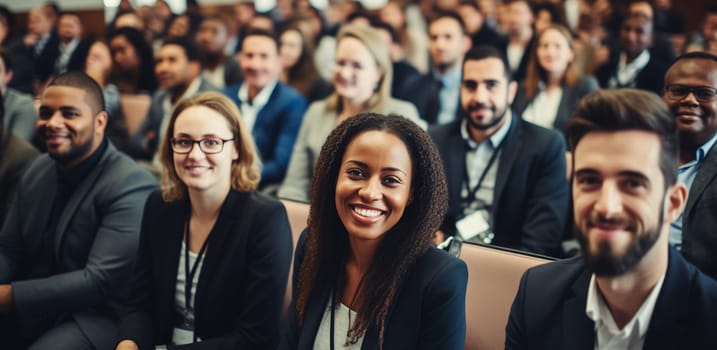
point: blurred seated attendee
(98, 66)
(366, 273)
(552, 88)
(214, 253)
(73, 48)
(298, 68)
(182, 26)
(633, 65)
(413, 41)
(403, 71)
(477, 27)
(20, 113)
(178, 71)
(132, 62)
(270, 109)
(15, 155)
(362, 82)
(217, 67)
(706, 40)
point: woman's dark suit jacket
(241, 285)
(568, 102)
(428, 311)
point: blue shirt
(686, 175)
(449, 95)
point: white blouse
(543, 109)
(342, 322)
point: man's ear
(512, 89)
(676, 200)
(101, 123)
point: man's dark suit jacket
(699, 236)
(141, 145)
(531, 197)
(275, 129)
(568, 101)
(428, 311)
(241, 285)
(549, 309)
(422, 90)
(650, 78)
(95, 244)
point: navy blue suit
(428, 311)
(275, 129)
(549, 310)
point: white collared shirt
(543, 109)
(627, 72)
(215, 76)
(607, 334)
(477, 157)
(250, 109)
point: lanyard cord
(189, 274)
(466, 178)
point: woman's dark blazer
(568, 102)
(428, 311)
(241, 285)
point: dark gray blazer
(569, 100)
(549, 310)
(94, 245)
(20, 114)
(699, 236)
(141, 145)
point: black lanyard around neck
(466, 178)
(189, 274)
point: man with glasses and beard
(506, 176)
(630, 289)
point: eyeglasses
(701, 93)
(208, 145)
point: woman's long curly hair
(327, 249)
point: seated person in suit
(132, 62)
(629, 289)
(632, 65)
(403, 71)
(214, 253)
(362, 81)
(367, 256)
(15, 155)
(72, 49)
(20, 113)
(217, 67)
(436, 93)
(552, 87)
(70, 239)
(506, 176)
(691, 94)
(270, 109)
(178, 72)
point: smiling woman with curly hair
(366, 270)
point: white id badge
(182, 336)
(473, 224)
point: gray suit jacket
(699, 236)
(94, 244)
(20, 114)
(568, 101)
(145, 141)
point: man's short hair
(692, 55)
(482, 52)
(263, 33)
(452, 15)
(381, 25)
(190, 49)
(82, 81)
(6, 58)
(613, 110)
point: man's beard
(497, 117)
(604, 263)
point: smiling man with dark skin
(691, 94)
(70, 238)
